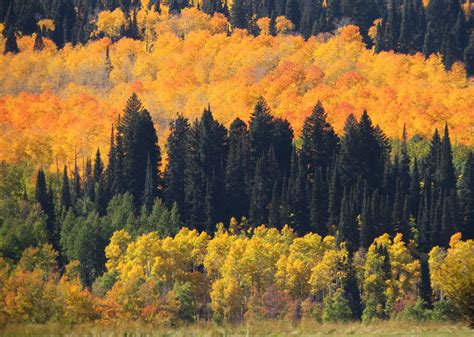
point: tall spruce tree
(177, 150)
(319, 203)
(319, 140)
(44, 197)
(139, 142)
(466, 196)
(65, 198)
(237, 171)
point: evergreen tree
(319, 203)
(335, 196)
(367, 230)
(65, 192)
(274, 212)
(282, 144)
(239, 14)
(466, 195)
(391, 27)
(44, 197)
(415, 190)
(425, 291)
(258, 201)
(11, 45)
(89, 181)
(98, 167)
(446, 175)
(177, 149)
(347, 224)
(469, 56)
(139, 142)
(149, 193)
(76, 184)
(350, 161)
(292, 12)
(237, 171)
(319, 140)
(261, 129)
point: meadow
(260, 328)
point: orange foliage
(55, 101)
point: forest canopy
(58, 102)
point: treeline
(354, 187)
(386, 220)
(404, 26)
(242, 275)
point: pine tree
(11, 45)
(347, 224)
(177, 149)
(367, 229)
(425, 291)
(44, 197)
(76, 184)
(432, 160)
(466, 195)
(149, 193)
(139, 142)
(260, 130)
(404, 168)
(274, 212)
(282, 144)
(65, 192)
(237, 171)
(319, 203)
(415, 190)
(292, 12)
(239, 14)
(469, 56)
(390, 26)
(335, 196)
(311, 11)
(350, 163)
(98, 167)
(258, 201)
(319, 140)
(89, 181)
(446, 175)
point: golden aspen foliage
(452, 273)
(47, 25)
(111, 23)
(283, 25)
(57, 100)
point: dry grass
(265, 328)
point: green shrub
(445, 311)
(336, 308)
(415, 312)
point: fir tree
(237, 171)
(65, 192)
(319, 140)
(347, 224)
(177, 149)
(239, 14)
(469, 56)
(466, 195)
(149, 193)
(319, 203)
(98, 167)
(446, 175)
(44, 197)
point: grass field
(267, 328)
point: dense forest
(241, 223)
(234, 161)
(408, 26)
(183, 62)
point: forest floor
(265, 328)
